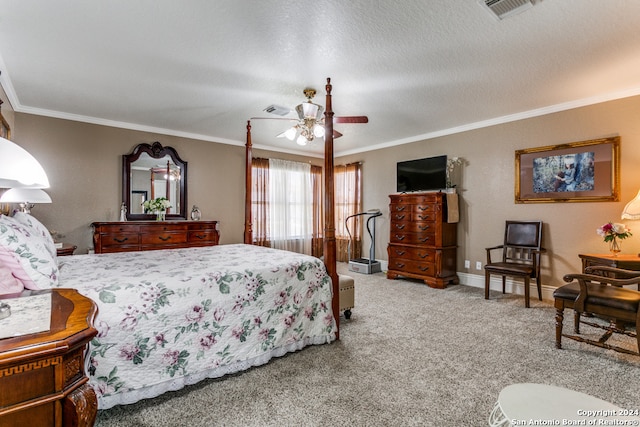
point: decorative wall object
(586, 171)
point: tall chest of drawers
(422, 244)
(151, 235)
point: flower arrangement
(613, 230)
(452, 163)
(159, 204)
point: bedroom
(83, 160)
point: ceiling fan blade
(336, 134)
(291, 119)
(351, 119)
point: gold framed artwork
(585, 171)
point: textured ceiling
(417, 69)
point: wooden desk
(42, 375)
(625, 261)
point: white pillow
(38, 229)
(32, 251)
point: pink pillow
(9, 262)
(8, 283)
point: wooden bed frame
(329, 238)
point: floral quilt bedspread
(170, 318)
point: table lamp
(632, 209)
(26, 197)
(19, 170)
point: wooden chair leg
(559, 320)
(487, 277)
(539, 283)
(576, 322)
(527, 291)
(504, 284)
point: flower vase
(160, 215)
(614, 246)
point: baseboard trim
(512, 286)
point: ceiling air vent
(501, 9)
(277, 109)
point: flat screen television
(422, 174)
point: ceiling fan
(310, 121)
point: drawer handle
(424, 268)
(398, 217)
(164, 239)
(200, 236)
(121, 240)
(400, 237)
(423, 217)
(400, 252)
(423, 256)
(400, 208)
(400, 226)
(424, 239)
(423, 208)
(400, 265)
(424, 227)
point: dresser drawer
(415, 199)
(119, 239)
(424, 238)
(159, 237)
(204, 236)
(412, 227)
(165, 227)
(120, 228)
(423, 214)
(411, 253)
(119, 248)
(415, 267)
(39, 375)
(209, 225)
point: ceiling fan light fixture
(302, 140)
(318, 131)
(290, 133)
(309, 110)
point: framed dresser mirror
(153, 171)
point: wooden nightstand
(66, 249)
(42, 375)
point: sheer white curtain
(290, 205)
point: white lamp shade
(25, 195)
(18, 168)
(632, 210)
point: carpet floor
(409, 356)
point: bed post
(329, 241)
(248, 229)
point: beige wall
(486, 187)
(84, 165)
(83, 162)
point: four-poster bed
(172, 317)
(329, 237)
